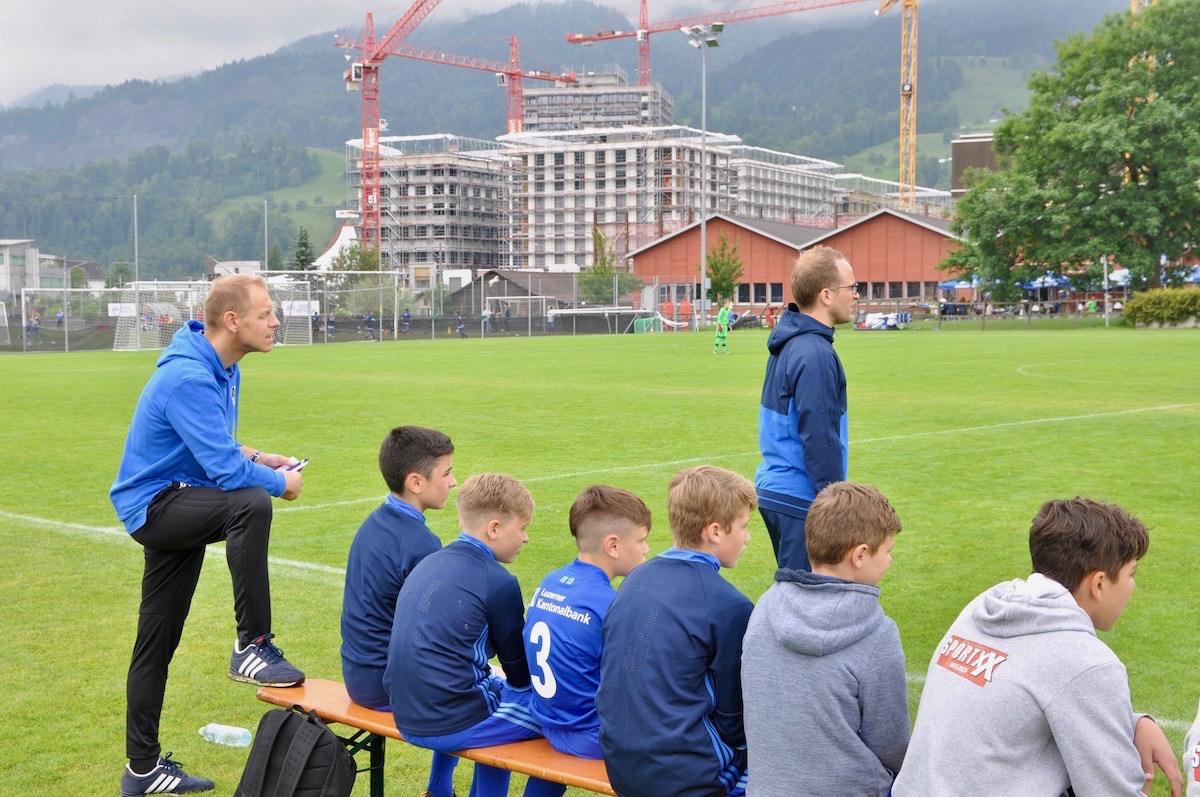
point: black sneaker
(263, 664)
(166, 778)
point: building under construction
(599, 98)
(532, 199)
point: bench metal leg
(374, 745)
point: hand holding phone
(297, 466)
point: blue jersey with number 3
(563, 643)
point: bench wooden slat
(534, 757)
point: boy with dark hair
(670, 698)
(417, 467)
(1021, 697)
(458, 608)
(825, 634)
(563, 641)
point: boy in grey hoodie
(1021, 697)
(823, 688)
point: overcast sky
(83, 42)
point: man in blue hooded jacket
(184, 482)
(803, 430)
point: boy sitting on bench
(459, 607)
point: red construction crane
(364, 75)
(511, 73)
(645, 28)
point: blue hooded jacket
(803, 426)
(184, 430)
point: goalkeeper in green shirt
(723, 327)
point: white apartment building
(530, 200)
(19, 268)
(602, 97)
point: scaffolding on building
(445, 203)
(861, 196)
(600, 97)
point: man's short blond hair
(230, 292)
(702, 495)
(845, 515)
(487, 496)
(815, 270)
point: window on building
(895, 290)
(539, 159)
(743, 293)
(760, 293)
(877, 291)
(914, 290)
(776, 293)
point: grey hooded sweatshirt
(823, 688)
(1022, 699)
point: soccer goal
(150, 313)
(5, 338)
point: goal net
(149, 313)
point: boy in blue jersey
(670, 698)
(416, 465)
(458, 608)
(563, 641)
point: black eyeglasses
(856, 287)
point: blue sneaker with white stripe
(263, 664)
(167, 778)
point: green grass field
(967, 432)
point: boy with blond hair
(563, 640)
(670, 698)
(1021, 697)
(458, 608)
(841, 726)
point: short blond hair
(702, 495)
(230, 292)
(845, 515)
(486, 496)
(815, 270)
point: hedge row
(1165, 305)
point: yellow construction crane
(908, 99)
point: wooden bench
(534, 757)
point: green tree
(78, 278)
(302, 254)
(355, 257)
(119, 273)
(724, 269)
(275, 257)
(1104, 162)
(597, 283)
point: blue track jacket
(185, 430)
(803, 425)
(670, 698)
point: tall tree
(724, 269)
(1104, 162)
(604, 283)
(275, 257)
(302, 254)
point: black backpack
(296, 755)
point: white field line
(335, 576)
(725, 457)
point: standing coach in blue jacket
(803, 430)
(186, 481)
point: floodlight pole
(702, 37)
(1104, 264)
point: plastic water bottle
(1191, 760)
(228, 735)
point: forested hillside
(815, 84)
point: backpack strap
(264, 742)
(306, 738)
